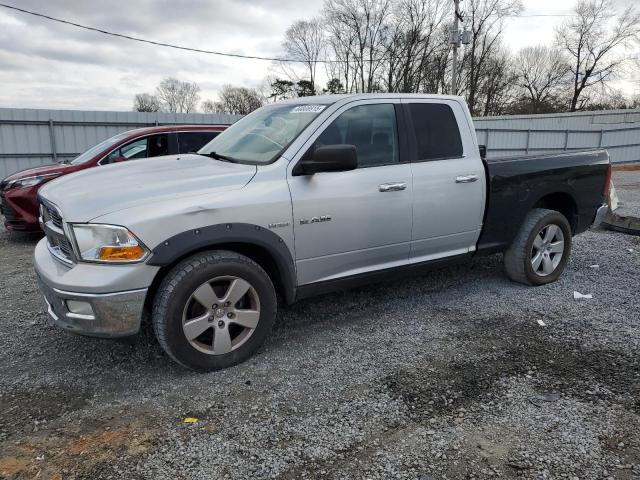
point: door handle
(392, 187)
(466, 178)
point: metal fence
(559, 121)
(616, 130)
(30, 138)
(622, 142)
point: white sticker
(308, 109)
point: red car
(18, 192)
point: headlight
(107, 243)
(30, 181)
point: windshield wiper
(219, 156)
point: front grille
(53, 225)
(50, 214)
(12, 218)
(62, 244)
(9, 213)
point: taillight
(607, 182)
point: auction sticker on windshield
(308, 109)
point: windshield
(260, 137)
(93, 151)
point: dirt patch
(627, 167)
(82, 456)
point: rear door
(448, 179)
(189, 142)
(348, 223)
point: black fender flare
(182, 244)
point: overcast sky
(44, 64)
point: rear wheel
(214, 310)
(540, 251)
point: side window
(158, 145)
(135, 149)
(194, 141)
(371, 128)
(436, 131)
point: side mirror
(121, 158)
(330, 158)
(483, 151)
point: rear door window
(194, 141)
(158, 145)
(436, 131)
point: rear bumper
(600, 215)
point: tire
(229, 333)
(521, 261)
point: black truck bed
(571, 182)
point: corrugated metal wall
(562, 120)
(617, 130)
(30, 138)
(36, 137)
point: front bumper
(100, 315)
(20, 209)
(90, 299)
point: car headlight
(30, 181)
(107, 243)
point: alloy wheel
(221, 315)
(547, 250)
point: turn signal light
(124, 253)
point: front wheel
(214, 310)
(540, 251)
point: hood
(94, 192)
(54, 168)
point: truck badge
(321, 218)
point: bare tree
(235, 101)
(498, 89)
(411, 42)
(209, 106)
(145, 102)
(542, 74)
(304, 41)
(485, 20)
(356, 29)
(595, 40)
(178, 96)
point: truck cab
(297, 198)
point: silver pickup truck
(298, 198)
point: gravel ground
(447, 375)
(629, 183)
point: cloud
(43, 63)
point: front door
(347, 223)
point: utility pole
(455, 40)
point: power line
(199, 50)
(161, 44)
